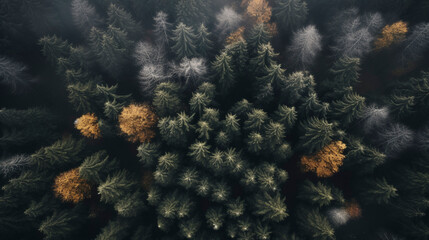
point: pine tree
(255, 120)
(273, 78)
(296, 86)
(96, 167)
(60, 154)
(112, 109)
(314, 225)
(84, 15)
(378, 191)
(231, 125)
(262, 230)
(290, 13)
(203, 42)
(175, 131)
(43, 207)
(192, 12)
(264, 59)
(311, 106)
(220, 192)
(258, 35)
(215, 218)
(115, 229)
(148, 153)
(121, 19)
(240, 56)
(184, 40)
(60, 225)
(223, 72)
(362, 158)
(318, 194)
(131, 205)
(204, 130)
(199, 102)
(27, 182)
(211, 115)
(317, 134)
(189, 178)
(189, 228)
(349, 108)
(271, 208)
(236, 208)
(255, 142)
(402, 106)
(80, 96)
(204, 187)
(274, 134)
(241, 108)
(54, 47)
(345, 74)
(115, 187)
(166, 99)
(199, 151)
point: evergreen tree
(54, 47)
(239, 56)
(189, 228)
(27, 182)
(115, 187)
(166, 99)
(318, 194)
(199, 102)
(148, 153)
(115, 229)
(349, 108)
(131, 205)
(96, 167)
(81, 95)
(236, 208)
(60, 225)
(255, 120)
(345, 74)
(184, 40)
(272, 208)
(241, 108)
(162, 28)
(220, 192)
(274, 133)
(14, 74)
(60, 154)
(317, 134)
(314, 225)
(401, 106)
(43, 207)
(84, 15)
(255, 142)
(204, 130)
(264, 59)
(223, 72)
(296, 86)
(112, 109)
(192, 12)
(258, 35)
(203, 42)
(311, 106)
(188, 178)
(215, 218)
(362, 158)
(290, 13)
(231, 125)
(199, 151)
(174, 131)
(378, 191)
(121, 19)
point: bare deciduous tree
(374, 117)
(146, 52)
(192, 70)
(227, 21)
(338, 216)
(396, 138)
(13, 164)
(354, 34)
(415, 44)
(14, 75)
(84, 15)
(306, 44)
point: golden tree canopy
(392, 34)
(260, 10)
(353, 209)
(137, 122)
(327, 161)
(88, 126)
(70, 187)
(235, 36)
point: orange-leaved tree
(70, 187)
(88, 126)
(391, 34)
(353, 209)
(137, 121)
(235, 36)
(325, 162)
(259, 10)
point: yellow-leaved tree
(137, 121)
(259, 10)
(88, 126)
(235, 36)
(391, 34)
(325, 162)
(70, 187)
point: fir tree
(27, 182)
(240, 56)
(378, 191)
(314, 225)
(192, 12)
(199, 151)
(43, 207)
(220, 192)
(255, 120)
(131, 205)
(166, 99)
(363, 158)
(215, 218)
(317, 134)
(223, 72)
(345, 74)
(290, 13)
(115, 187)
(271, 208)
(148, 153)
(318, 194)
(311, 106)
(96, 167)
(274, 133)
(121, 19)
(162, 28)
(236, 208)
(258, 35)
(60, 225)
(188, 178)
(241, 108)
(115, 229)
(54, 47)
(296, 86)
(189, 228)
(184, 40)
(264, 59)
(349, 108)
(203, 42)
(199, 102)
(402, 106)
(80, 95)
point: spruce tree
(264, 59)
(314, 225)
(255, 120)
(318, 194)
(240, 56)
(223, 72)
(215, 218)
(258, 35)
(192, 12)
(121, 19)
(317, 133)
(235, 208)
(42, 207)
(166, 99)
(184, 40)
(189, 228)
(115, 229)
(148, 153)
(54, 47)
(297, 86)
(199, 102)
(199, 151)
(81, 95)
(96, 167)
(345, 73)
(60, 225)
(130, 205)
(378, 191)
(402, 106)
(349, 108)
(115, 187)
(290, 13)
(271, 208)
(27, 182)
(311, 106)
(241, 108)
(203, 42)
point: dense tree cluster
(197, 119)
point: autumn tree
(70, 187)
(325, 162)
(227, 21)
(391, 35)
(137, 122)
(223, 72)
(259, 10)
(88, 126)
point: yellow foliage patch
(88, 126)
(326, 162)
(137, 122)
(259, 10)
(70, 187)
(391, 34)
(235, 36)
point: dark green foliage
(297, 86)
(203, 41)
(192, 12)
(272, 208)
(235, 208)
(54, 47)
(317, 133)
(314, 225)
(349, 108)
(116, 186)
(121, 19)
(239, 56)
(80, 95)
(96, 167)
(318, 194)
(184, 40)
(174, 131)
(258, 35)
(43, 207)
(199, 102)
(345, 74)
(362, 158)
(148, 153)
(166, 100)
(215, 218)
(264, 59)
(311, 106)
(60, 154)
(401, 105)
(60, 225)
(189, 228)
(291, 14)
(223, 72)
(378, 191)
(130, 205)
(27, 182)
(115, 229)
(255, 120)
